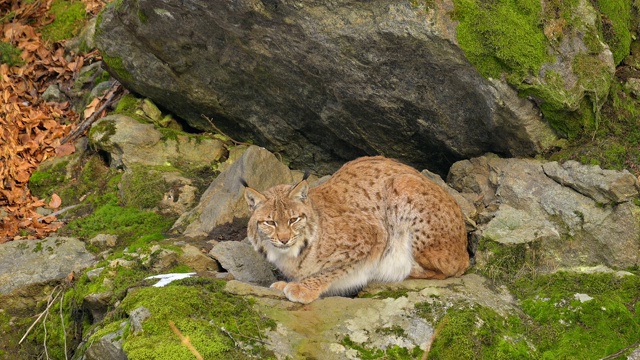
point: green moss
(116, 65)
(393, 330)
(502, 36)
(213, 320)
(595, 77)
(564, 327)
(106, 128)
(614, 144)
(392, 352)
(616, 25)
(142, 188)
(10, 54)
(126, 222)
(479, 333)
(394, 294)
(506, 262)
(127, 104)
(69, 17)
(38, 247)
(47, 178)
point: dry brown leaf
(91, 108)
(55, 201)
(65, 149)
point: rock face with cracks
(320, 81)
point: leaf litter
(31, 129)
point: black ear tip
(306, 175)
(243, 182)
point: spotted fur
(375, 219)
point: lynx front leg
(302, 293)
(310, 288)
(280, 285)
(297, 292)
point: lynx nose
(283, 239)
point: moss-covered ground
(565, 316)
(219, 325)
(68, 19)
(10, 54)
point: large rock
(223, 202)
(321, 81)
(570, 215)
(377, 324)
(28, 262)
(243, 262)
(130, 142)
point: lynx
(375, 219)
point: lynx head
(280, 217)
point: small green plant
(69, 17)
(10, 54)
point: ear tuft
(253, 198)
(244, 182)
(300, 191)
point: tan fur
(374, 220)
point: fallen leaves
(30, 128)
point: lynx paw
(280, 285)
(299, 293)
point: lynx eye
(294, 220)
(269, 222)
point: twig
(64, 332)
(44, 340)
(185, 341)
(88, 121)
(433, 338)
(56, 213)
(229, 335)
(41, 315)
(222, 133)
(615, 355)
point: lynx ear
(253, 197)
(300, 191)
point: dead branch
(46, 311)
(84, 125)
(621, 352)
(64, 332)
(222, 133)
(185, 341)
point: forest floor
(33, 57)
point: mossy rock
(219, 325)
(553, 54)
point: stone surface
(243, 262)
(97, 305)
(53, 94)
(109, 347)
(320, 81)
(104, 241)
(525, 201)
(603, 186)
(196, 260)
(136, 317)
(131, 142)
(27, 262)
(317, 330)
(223, 202)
